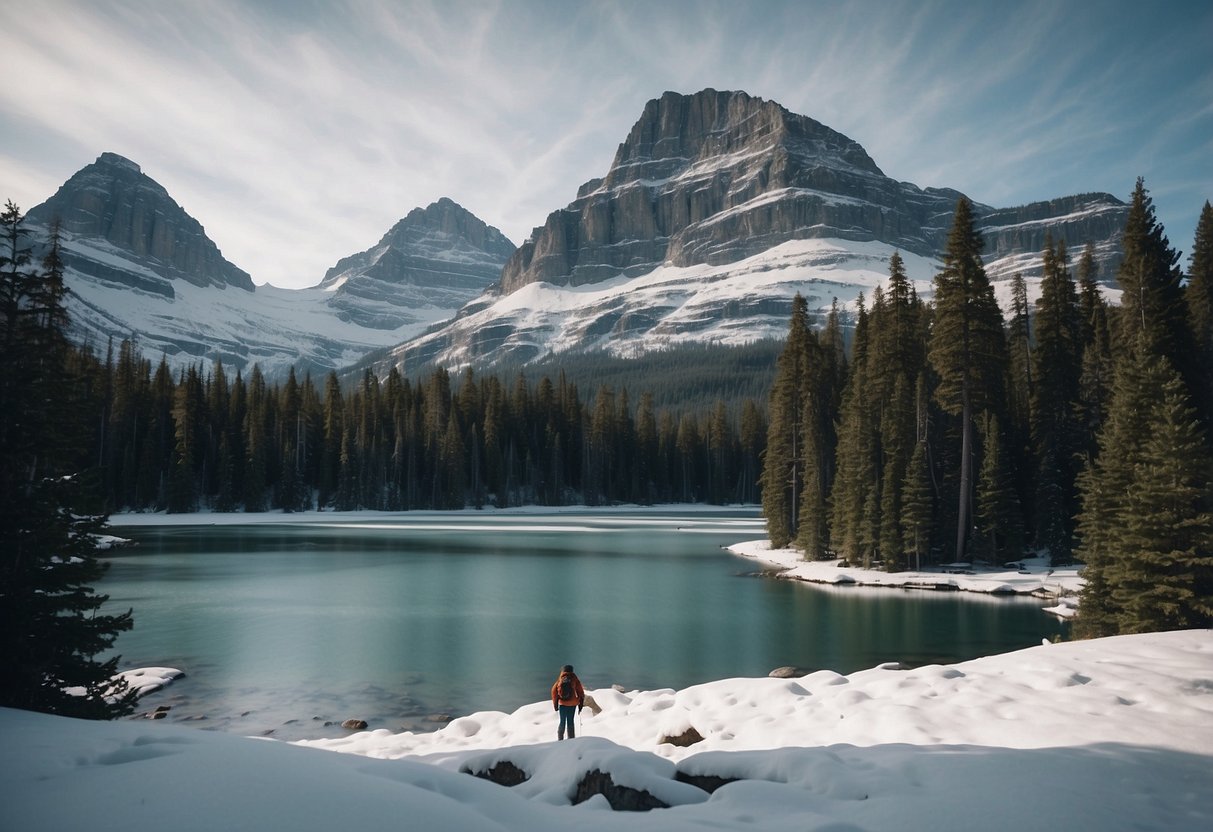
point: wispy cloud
(298, 133)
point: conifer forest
(950, 433)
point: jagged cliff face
(718, 207)
(441, 256)
(113, 200)
(1015, 237)
(717, 177)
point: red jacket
(578, 697)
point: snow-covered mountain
(139, 266)
(113, 203)
(730, 304)
(717, 209)
(441, 257)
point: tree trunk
(966, 472)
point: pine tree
(1163, 577)
(1019, 346)
(50, 629)
(1057, 437)
(1199, 296)
(1095, 379)
(967, 349)
(897, 442)
(752, 435)
(783, 463)
(824, 378)
(689, 445)
(452, 475)
(188, 419)
(1152, 302)
(916, 508)
(330, 460)
(854, 501)
(1106, 484)
(999, 520)
(256, 475)
(646, 450)
(720, 455)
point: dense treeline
(199, 439)
(951, 434)
(690, 377)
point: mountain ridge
(438, 256)
(730, 188)
(717, 208)
(140, 267)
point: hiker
(568, 698)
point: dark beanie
(568, 668)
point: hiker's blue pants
(566, 718)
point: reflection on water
(404, 620)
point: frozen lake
(400, 619)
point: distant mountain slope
(735, 303)
(139, 266)
(441, 256)
(717, 209)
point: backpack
(566, 688)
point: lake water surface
(287, 628)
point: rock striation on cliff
(112, 199)
(440, 256)
(717, 209)
(716, 177)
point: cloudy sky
(299, 131)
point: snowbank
(1107, 734)
(1033, 576)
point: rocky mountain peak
(449, 218)
(718, 208)
(716, 177)
(112, 199)
(437, 257)
(113, 160)
(713, 177)
(676, 133)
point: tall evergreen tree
(1106, 483)
(999, 519)
(1057, 437)
(916, 508)
(256, 474)
(854, 499)
(1161, 573)
(967, 349)
(1199, 295)
(1152, 302)
(751, 436)
(1019, 346)
(50, 628)
(783, 464)
(1095, 379)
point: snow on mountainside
(138, 266)
(440, 256)
(732, 304)
(717, 209)
(112, 297)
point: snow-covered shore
(1106, 734)
(1033, 576)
